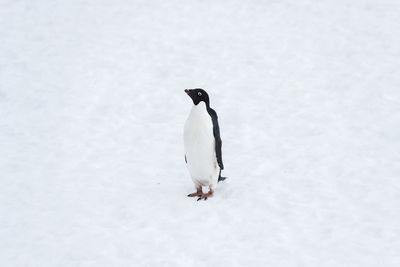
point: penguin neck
(202, 105)
(200, 108)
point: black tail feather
(220, 178)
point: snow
(91, 122)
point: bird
(202, 144)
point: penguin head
(198, 95)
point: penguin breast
(199, 143)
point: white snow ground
(91, 119)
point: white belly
(199, 145)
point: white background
(92, 110)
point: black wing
(218, 141)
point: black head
(198, 95)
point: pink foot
(196, 194)
(205, 196)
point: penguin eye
(199, 93)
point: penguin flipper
(218, 141)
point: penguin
(202, 144)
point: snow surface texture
(92, 110)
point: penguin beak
(187, 91)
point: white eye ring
(199, 93)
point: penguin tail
(221, 178)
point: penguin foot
(205, 196)
(199, 192)
(196, 194)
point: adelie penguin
(203, 144)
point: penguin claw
(196, 194)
